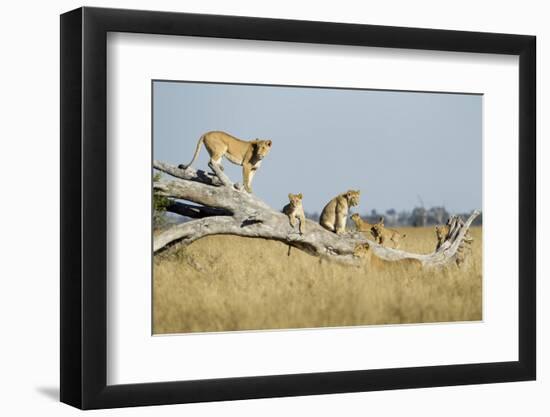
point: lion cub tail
(197, 151)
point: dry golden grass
(223, 283)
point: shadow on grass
(50, 392)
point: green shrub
(160, 203)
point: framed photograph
(260, 208)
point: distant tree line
(417, 217)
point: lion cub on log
(360, 224)
(335, 213)
(382, 234)
(441, 232)
(295, 210)
(247, 154)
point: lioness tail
(197, 150)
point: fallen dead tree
(221, 207)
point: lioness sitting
(335, 213)
(360, 224)
(295, 210)
(247, 154)
(383, 235)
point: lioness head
(295, 199)
(261, 148)
(353, 197)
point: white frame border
(134, 356)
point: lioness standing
(383, 235)
(335, 213)
(295, 210)
(247, 154)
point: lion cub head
(295, 199)
(261, 148)
(361, 250)
(356, 218)
(352, 196)
(360, 224)
(441, 232)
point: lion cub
(364, 252)
(335, 213)
(295, 210)
(360, 224)
(382, 234)
(441, 232)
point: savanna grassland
(223, 283)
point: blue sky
(396, 147)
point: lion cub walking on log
(295, 210)
(382, 234)
(247, 154)
(335, 213)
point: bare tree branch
(187, 174)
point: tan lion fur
(360, 224)
(335, 213)
(295, 210)
(383, 235)
(240, 152)
(364, 252)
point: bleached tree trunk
(224, 208)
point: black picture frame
(84, 207)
